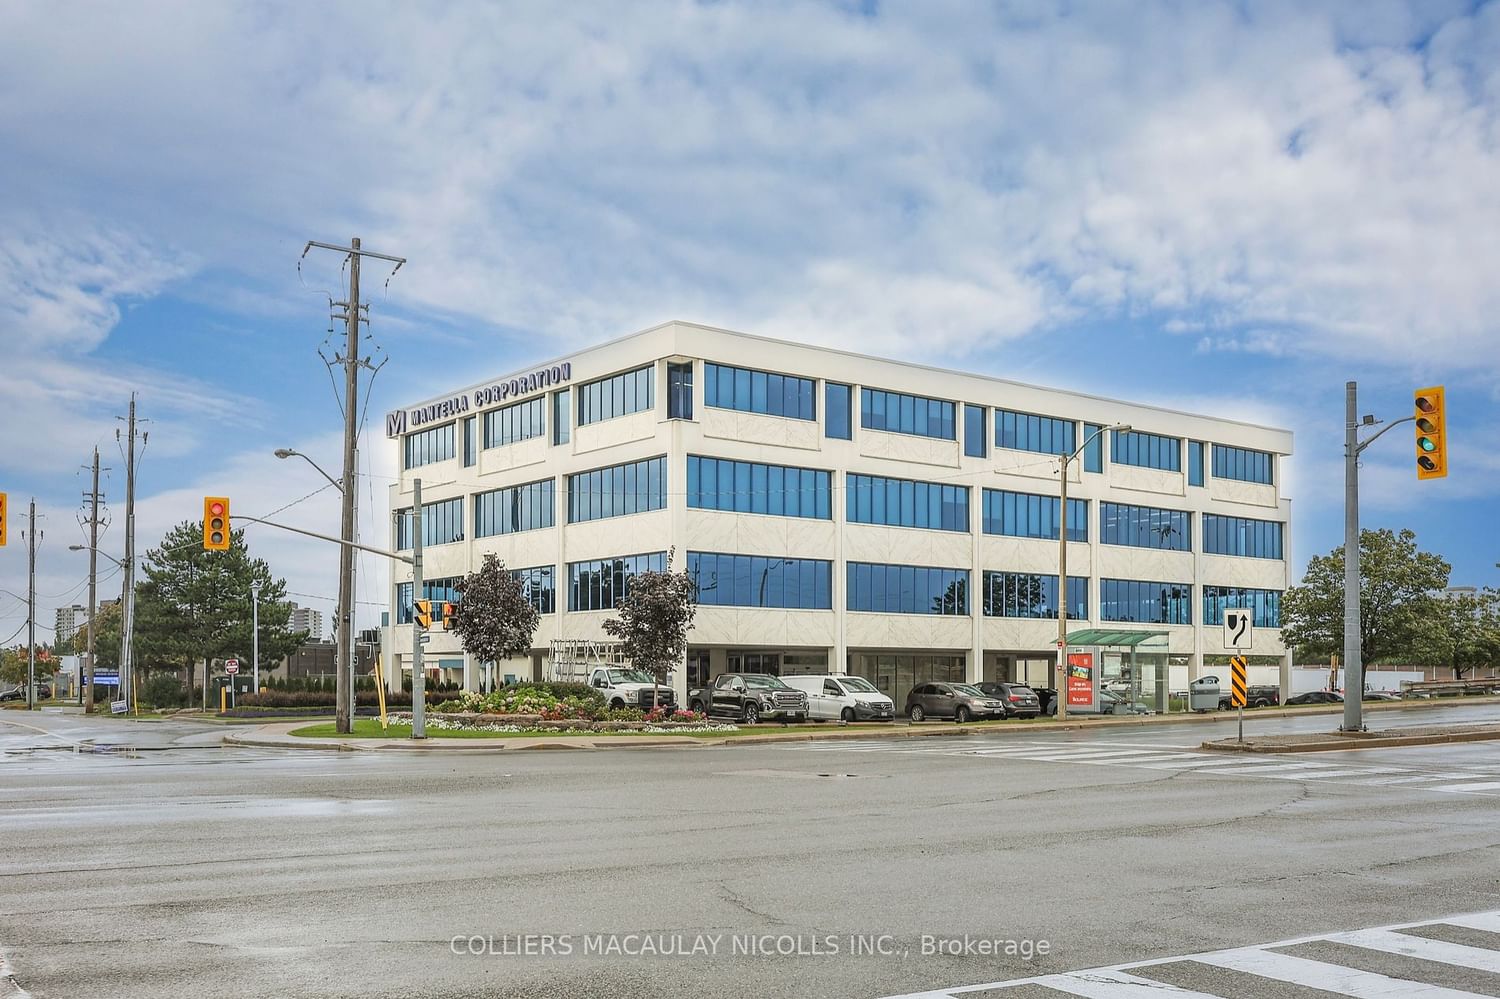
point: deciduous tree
(653, 621)
(496, 618)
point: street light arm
(1372, 440)
(1121, 427)
(286, 452)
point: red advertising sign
(1080, 679)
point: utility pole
(88, 666)
(127, 596)
(1354, 675)
(31, 609)
(353, 314)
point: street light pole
(1062, 571)
(255, 636)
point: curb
(1339, 745)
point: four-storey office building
(839, 513)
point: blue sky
(1225, 208)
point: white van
(842, 697)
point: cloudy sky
(1224, 207)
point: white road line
(1264, 769)
(1484, 787)
(1328, 977)
(1487, 921)
(1116, 985)
(1390, 942)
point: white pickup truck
(630, 688)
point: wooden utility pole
(88, 666)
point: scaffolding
(574, 659)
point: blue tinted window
(836, 411)
(1093, 450)
(1265, 605)
(634, 487)
(680, 391)
(1242, 464)
(1241, 536)
(752, 391)
(602, 583)
(427, 446)
(471, 448)
(902, 503)
(1133, 447)
(898, 413)
(976, 443)
(618, 395)
(439, 591)
(1145, 602)
(907, 589)
(562, 417)
(517, 422)
(539, 586)
(515, 508)
(1028, 432)
(1022, 594)
(442, 524)
(751, 487)
(1195, 463)
(1024, 515)
(761, 581)
(1145, 527)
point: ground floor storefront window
(895, 673)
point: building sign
(1080, 679)
(404, 420)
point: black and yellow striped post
(1237, 691)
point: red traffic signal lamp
(216, 523)
(1432, 434)
(424, 614)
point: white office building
(839, 512)
(308, 620)
(69, 621)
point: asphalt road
(141, 860)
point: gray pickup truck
(750, 697)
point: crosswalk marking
(1217, 974)
(1184, 759)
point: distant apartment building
(69, 621)
(308, 620)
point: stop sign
(231, 666)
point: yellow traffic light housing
(4, 513)
(450, 615)
(424, 614)
(216, 523)
(1432, 434)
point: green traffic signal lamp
(1432, 443)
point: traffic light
(450, 615)
(1432, 436)
(3, 514)
(424, 614)
(216, 523)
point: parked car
(1317, 697)
(750, 697)
(1112, 704)
(43, 692)
(1257, 695)
(843, 697)
(1380, 695)
(958, 701)
(631, 688)
(1047, 699)
(1019, 700)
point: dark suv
(959, 701)
(750, 697)
(1020, 701)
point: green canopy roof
(1112, 636)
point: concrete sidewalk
(278, 735)
(1326, 742)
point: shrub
(163, 691)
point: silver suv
(958, 701)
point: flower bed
(492, 722)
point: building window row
(1028, 432)
(759, 581)
(617, 395)
(1032, 595)
(634, 487)
(1137, 600)
(751, 391)
(1135, 447)
(602, 583)
(897, 412)
(1264, 605)
(517, 422)
(442, 524)
(438, 591)
(1025, 515)
(1145, 527)
(907, 589)
(903, 503)
(539, 585)
(427, 446)
(751, 487)
(1241, 536)
(1242, 463)
(513, 509)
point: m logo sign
(395, 423)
